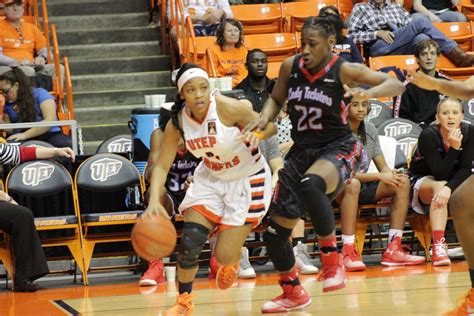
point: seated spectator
(18, 221)
(344, 47)
(442, 162)
(229, 53)
(438, 10)
(26, 104)
(205, 16)
(181, 169)
(387, 29)
(417, 104)
(22, 44)
(256, 85)
(369, 188)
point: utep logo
(36, 173)
(121, 145)
(374, 112)
(397, 128)
(470, 104)
(406, 144)
(105, 168)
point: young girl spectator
(26, 104)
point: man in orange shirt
(22, 44)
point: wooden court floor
(420, 290)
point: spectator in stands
(256, 85)
(438, 10)
(17, 221)
(344, 47)
(22, 44)
(205, 16)
(417, 104)
(369, 188)
(441, 163)
(387, 29)
(229, 53)
(26, 104)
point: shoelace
(441, 248)
(354, 255)
(185, 301)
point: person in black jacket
(417, 104)
(441, 163)
(17, 221)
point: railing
(71, 123)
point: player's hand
(253, 132)
(386, 36)
(441, 198)
(17, 137)
(188, 182)
(155, 209)
(66, 152)
(434, 18)
(421, 80)
(393, 178)
(455, 138)
(359, 93)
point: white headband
(190, 74)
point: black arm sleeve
(465, 162)
(429, 144)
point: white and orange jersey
(227, 157)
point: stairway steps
(103, 21)
(111, 113)
(124, 64)
(120, 35)
(112, 50)
(111, 81)
(96, 7)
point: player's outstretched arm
(457, 89)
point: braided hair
(178, 101)
(324, 25)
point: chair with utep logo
(116, 144)
(104, 183)
(46, 188)
(398, 126)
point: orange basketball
(154, 238)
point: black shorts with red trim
(344, 153)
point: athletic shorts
(416, 204)
(367, 192)
(344, 153)
(230, 203)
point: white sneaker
(303, 260)
(245, 269)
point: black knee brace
(279, 247)
(193, 238)
(312, 194)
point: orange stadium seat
(295, 13)
(402, 62)
(445, 66)
(259, 18)
(277, 46)
(345, 8)
(460, 32)
(273, 69)
(467, 8)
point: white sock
(348, 239)
(394, 233)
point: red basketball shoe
(333, 275)
(351, 258)
(154, 275)
(293, 298)
(439, 255)
(394, 255)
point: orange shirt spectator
(228, 53)
(21, 43)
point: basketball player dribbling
(231, 188)
(323, 156)
(461, 203)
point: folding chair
(116, 144)
(460, 32)
(46, 188)
(277, 46)
(398, 126)
(379, 113)
(108, 219)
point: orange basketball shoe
(226, 276)
(294, 297)
(466, 308)
(154, 275)
(183, 307)
(213, 268)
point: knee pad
(317, 204)
(193, 239)
(279, 249)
